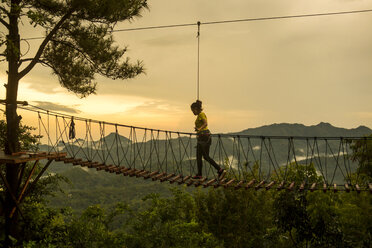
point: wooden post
(357, 188)
(199, 182)
(259, 185)
(219, 183)
(302, 187)
(291, 186)
(190, 182)
(335, 188)
(167, 177)
(184, 180)
(229, 183)
(250, 184)
(76, 161)
(151, 175)
(347, 188)
(98, 168)
(270, 185)
(175, 179)
(281, 185)
(24, 187)
(38, 177)
(133, 173)
(312, 188)
(210, 182)
(239, 184)
(128, 172)
(95, 164)
(142, 174)
(158, 176)
(116, 169)
(122, 171)
(136, 173)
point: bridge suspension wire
(251, 161)
(198, 64)
(233, 21)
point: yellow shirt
(199, 121)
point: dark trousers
(202, 151)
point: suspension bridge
(252, 162)
(256, 162)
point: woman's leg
(205, 152)
(199, 161)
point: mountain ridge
(323, 129)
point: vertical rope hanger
(198, 64)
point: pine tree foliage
(78, 41)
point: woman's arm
(205, 124)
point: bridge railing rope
(251, 161)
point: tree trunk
(13, 120)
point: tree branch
(46, 64)
(43, 62)
(2, 20)
(43, 45)
(24, 60)
(4, 23)
(4, 10)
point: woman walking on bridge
(204, 141)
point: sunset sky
(298, 70)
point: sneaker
(197, 177)
(221, 173)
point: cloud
(154, 107)
(56, 107)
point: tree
(78, 44)
(362, 153)
(307, 219)
(38, 221)
(237, 218)
(168, 222)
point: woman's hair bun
(197, 104)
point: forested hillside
(74, 206)
(86, 187)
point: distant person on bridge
(204, 141)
